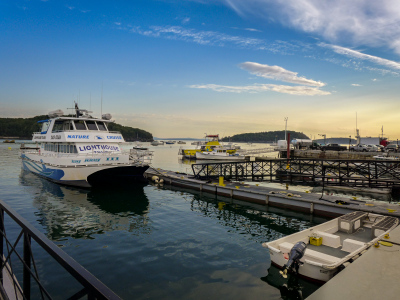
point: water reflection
(262, 223)
(81, 214)
(291, 288)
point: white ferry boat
(81, 151)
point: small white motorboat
(318, 253)
(219, 154)
(156, 143)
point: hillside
(262, 137)
(22, 128)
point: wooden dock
(327, 206)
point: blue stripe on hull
(42, 170)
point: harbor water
(154, 242)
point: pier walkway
(374, 275)
(328, 206)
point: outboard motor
(296, 253)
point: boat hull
(87, 176)
(217, 156)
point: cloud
(278, 73)
(256, 88)
(185, 20)
(358, 22)
(70, 7)
(252, 29)
(356, 84)
(213, 38)
(359, 55)
(117, 23)
(248, 29)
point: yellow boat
(211, 143)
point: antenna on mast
(101, 106)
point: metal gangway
(354, 173)
(22, 276)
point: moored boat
(81, 151)
(318, 253)
(211, 143)
(220, 154)
(156, 143)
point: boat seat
(350, 245)
(311, 255)
(328, 239)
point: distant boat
(170, 142)
(9, 141)
(220, 154)
(156, 143)
(211, 142)
(181, 142)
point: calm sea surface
(154, 242)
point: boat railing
(78, 131)
(22, 274)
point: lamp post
(286, 118)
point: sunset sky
(182, 68)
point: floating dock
(327, 206)
(374, 275)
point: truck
(359, 148)
(333, 147)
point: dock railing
(344, 172)
(22, 271)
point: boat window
(101, 126)
(75, 150)
(91, 125)
(58, 126)
(68, 126)
(80, 125)
(45, 127)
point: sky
(184, 68)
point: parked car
(359, 148)
(392, 148)
(372, 148)
(334, 147)
(381, 148)
(315, 146)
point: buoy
(376, 245)
(161, 180)
(386, 236)
(155, 179)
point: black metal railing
(370, 173)
(16, 265)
